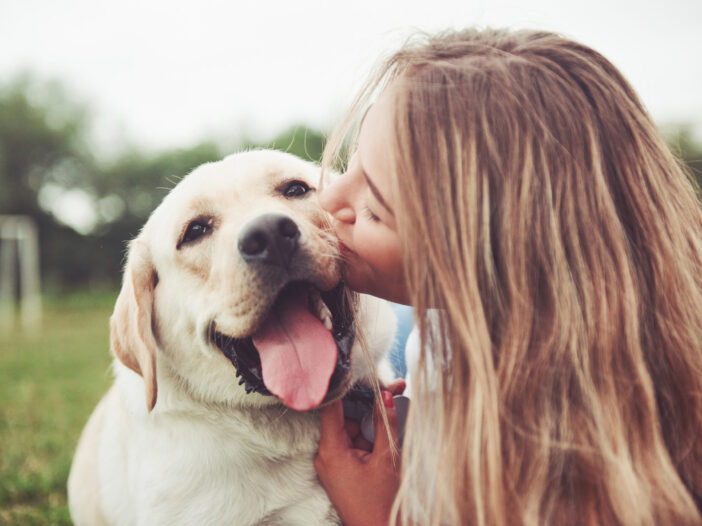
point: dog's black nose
(270, 238)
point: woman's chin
(354, 280)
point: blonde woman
(514, 182)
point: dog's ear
(131, 335)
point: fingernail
(387, 399)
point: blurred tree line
(47, 167)
(46, 160)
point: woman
(514, 182)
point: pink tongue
(298, 354)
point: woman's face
(361, 204)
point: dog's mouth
(302, 351)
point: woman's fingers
(361, 443)
(358, 441)
(397, 387)
(333, 436)
(361, 486)
(352, 427)
(340, 436)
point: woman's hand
(361, 484)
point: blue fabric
(405, 321)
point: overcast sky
(167, 73)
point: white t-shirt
(411, 358)
(412, 352)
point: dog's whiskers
(173, 180)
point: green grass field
(49, 383)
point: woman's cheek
(367, 244)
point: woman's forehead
(375, 137)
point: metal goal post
(19, 273)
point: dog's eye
(196, 229)
(295, 189)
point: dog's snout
(270, 238)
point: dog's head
(235, 283)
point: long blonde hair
(543, 216)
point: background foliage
(45, 157)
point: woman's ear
(131, 336)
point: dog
(232, 326)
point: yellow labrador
(231, 327)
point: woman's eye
(295, 189)
(370, 215)
(196, 229)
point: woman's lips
(345, 251)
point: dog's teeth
(241, 381)
(320, 309)
(328, 323)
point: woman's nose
(336, 198)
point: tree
(301, 141)
(41, 134)
(683, 144)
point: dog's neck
(255, 422)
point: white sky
(165, 73)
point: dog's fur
(177, 440)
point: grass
(50, 381)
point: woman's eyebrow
(377, 194)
